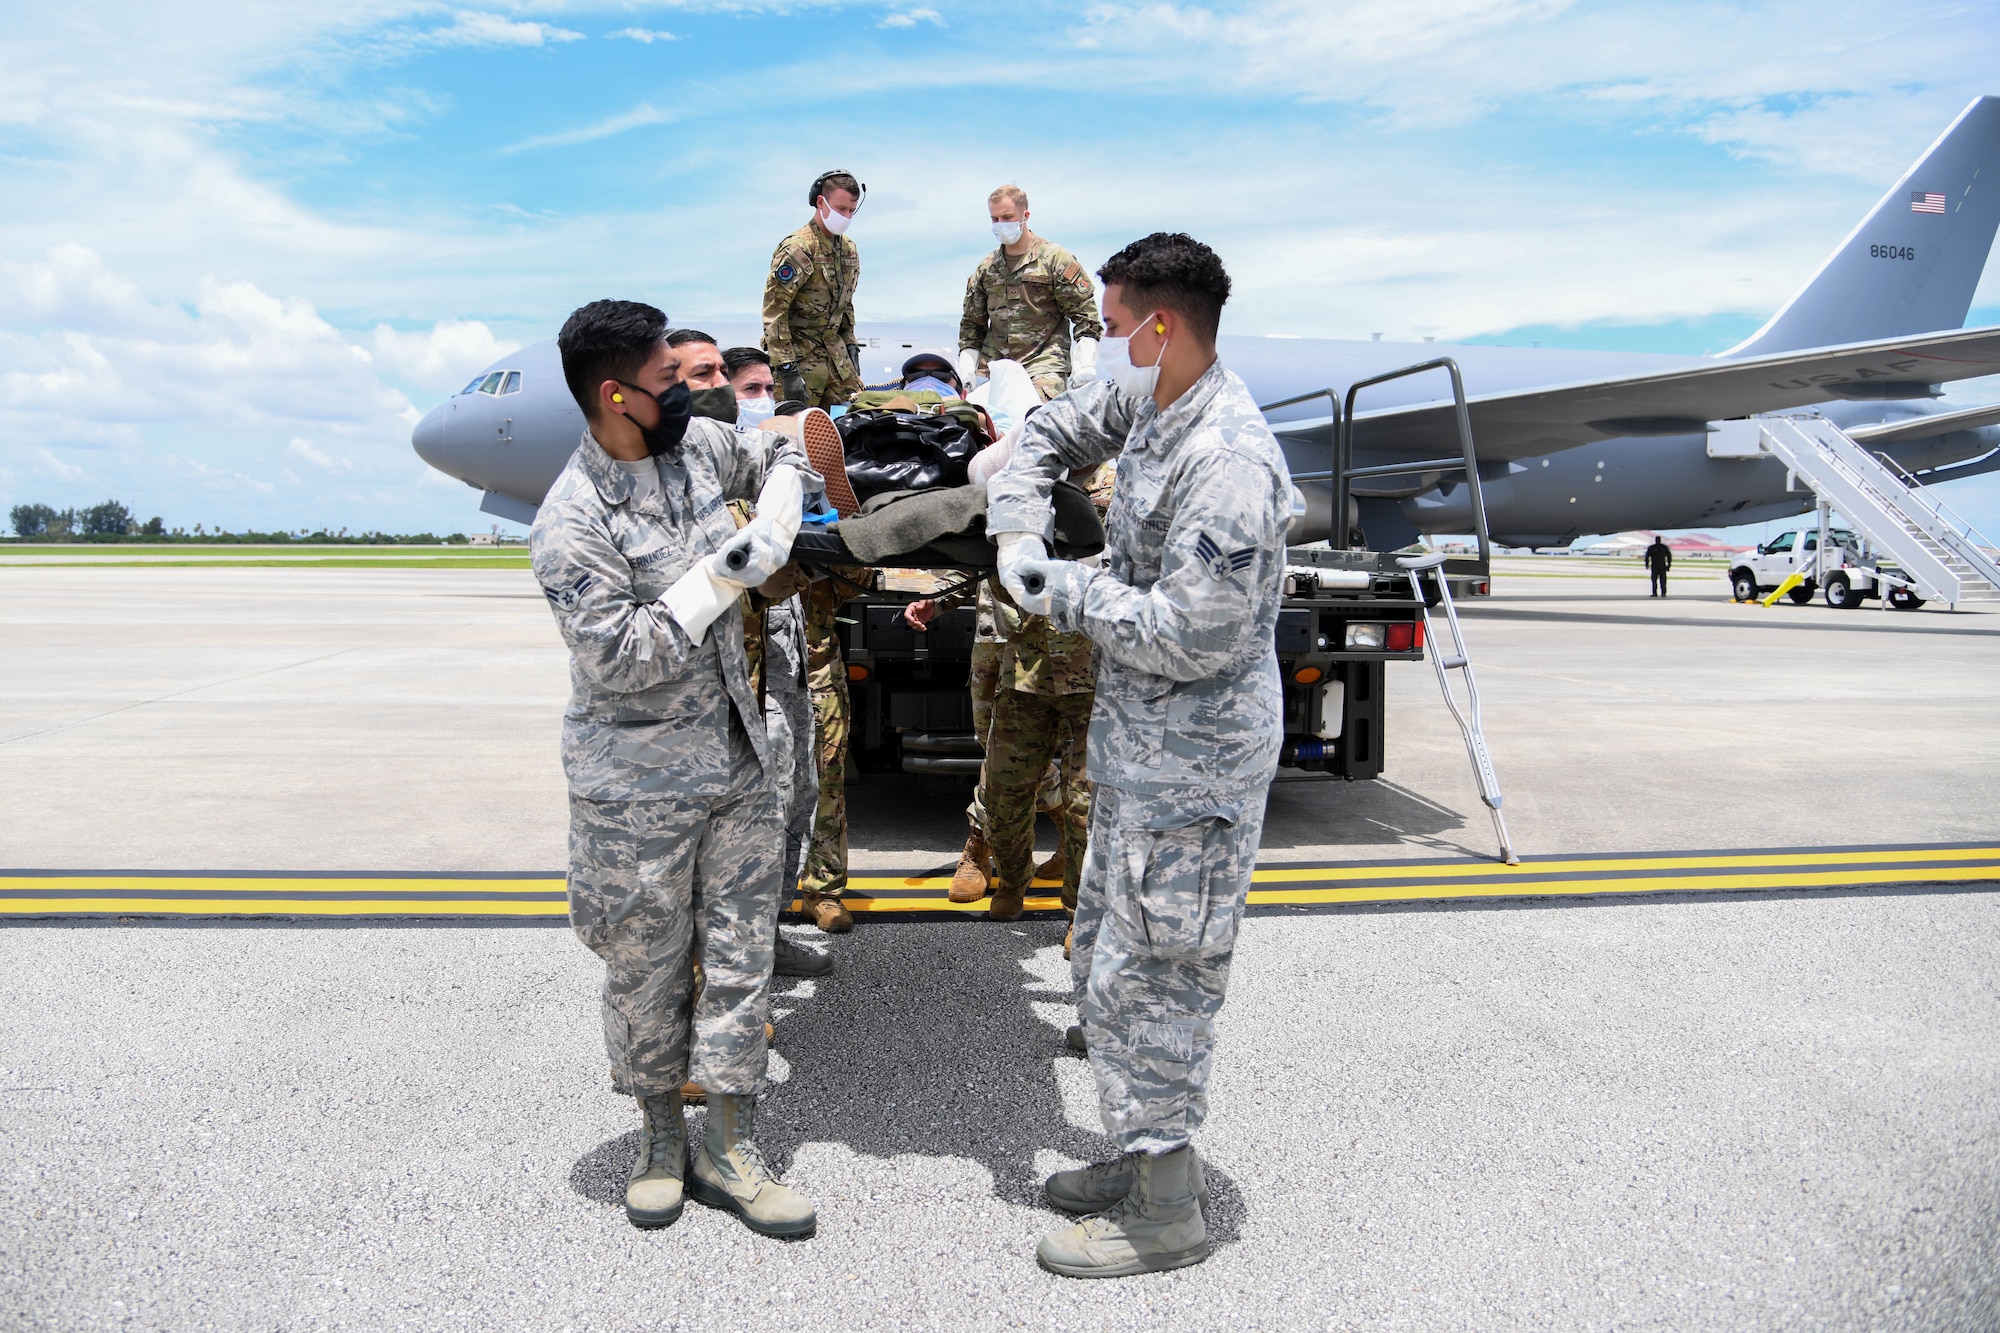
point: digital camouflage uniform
(809, 311)
(674, 826)
(1185, 734)
(1041, 714)
(826, 677)
(1027, 308)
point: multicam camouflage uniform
(774, 647)
(1042, 713)
(826, 677)
(1184, 738)
(1026, 308)
(674, 831)
(809, 311)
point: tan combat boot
(729, 1173)
(969, 882)
(1093, 1188)
(1054, 868)
(653, 1189)
(1007, 906)
(829, 915)
(1157, 1226)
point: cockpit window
(512, 384)
(472, 384)
(492, 382)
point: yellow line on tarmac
(280, 907)
(1673, 884)
(58, 893)
(279, 884)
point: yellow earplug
(1159, 327)
(617, 397)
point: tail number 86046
(1892, 252)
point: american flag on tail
(1921, 202)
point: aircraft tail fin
(1912, 263)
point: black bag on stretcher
(904, 451)
(935, 520)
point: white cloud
(910, 18)
(474, 28)
(211, 478)
(52, 466)
(319, 458)
(646, 36)
(437, 358)
(643, 114)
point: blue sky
(243, 246)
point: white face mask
(755, 411)
(1114, 363)
(1008, 232)
(834, 220)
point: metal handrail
(1344, 470)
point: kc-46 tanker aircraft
(1569, 443)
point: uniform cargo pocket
(1186, 899)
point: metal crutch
(1475, 739)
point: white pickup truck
(1846, 576)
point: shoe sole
(715, 1197)
(1159, 1263)
(829, 458)
(650, 1221)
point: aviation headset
(819, 183)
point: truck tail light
(857, 672)
(1307, 675)
(1405, 637)
(1366, 635)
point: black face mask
(676, 405)
(716, 404)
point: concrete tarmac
(1691, 1111)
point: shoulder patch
(1220, 563)
(786, 271)
(564, 596)
(1073, 272)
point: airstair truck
(1903, 543)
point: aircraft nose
(428, 439)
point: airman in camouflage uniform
(1184, 742)
(675, 834)
(809, 311)
(1027, 306)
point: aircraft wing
(1927, 428)
(1524, 422)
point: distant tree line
(113, 522)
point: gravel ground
(1725, 1111)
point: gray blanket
(905, 527)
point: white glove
(700, 596)
(753, 555)
(1051, 584)
(968, 367)
(1083, 363)
(1016, 547)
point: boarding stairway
(1940, 554)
